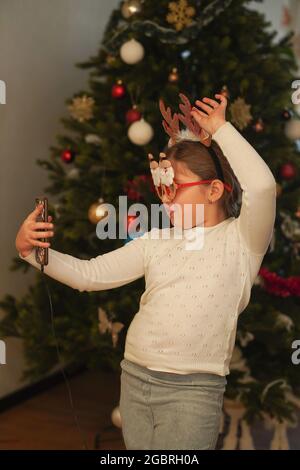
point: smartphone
(41, 253)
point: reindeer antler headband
(162, 172)
(171, 124)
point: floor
(46, 421)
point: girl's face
(188, 206)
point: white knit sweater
(188, 313)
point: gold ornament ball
(97, 211)
(130, 8)
(173, 76)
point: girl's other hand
(27, 236)
(214, 115)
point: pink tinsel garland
(277, 285)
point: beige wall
(40, 41)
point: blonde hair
(196, 157)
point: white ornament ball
(140, 132)
(116, 417)
(132, 52)
(292, 129)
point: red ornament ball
(286, 114)
(133, 115)
(288, 171)
(118, 90)
(67, 155)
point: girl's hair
(197, 158)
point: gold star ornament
(81, 108)
(240, 113)
(181, 14)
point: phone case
(41, 253)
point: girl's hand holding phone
(30, 232)
(214, 115)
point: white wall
(40, 41)
(273, 11)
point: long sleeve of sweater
(257, 216)
(127, 263)
(106, 271)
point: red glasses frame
(182, 185)
(167, 193)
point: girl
(179, 344)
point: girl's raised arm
(258, 210)
(106, 271)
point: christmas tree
(152, 50)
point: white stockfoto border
(2, 352)
(2, 343)
(2, 92)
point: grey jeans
(162, 410)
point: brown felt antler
(170, 124)
(187, 119)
